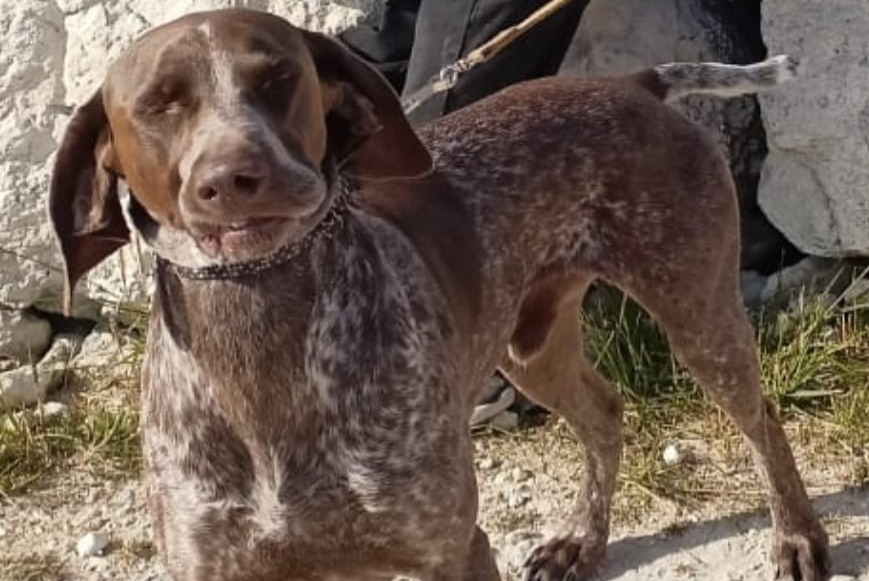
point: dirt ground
(527, 480)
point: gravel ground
(526, 480)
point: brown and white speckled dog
(332, 290)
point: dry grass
(815, 366)
(815, 361)
(33, 446)
(35, 568)
(98, 431)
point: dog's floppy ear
(83, 202)
(368, 131)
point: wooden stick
(448, 76)
(506, 37)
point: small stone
(28, 385)
(96, 564)
(24, 337)
(97, 350)
(811, 274)
(93, 495)
(92, 544)
(519, 497)
(522, 475)
(753, 284)
(842, 578)
(518, 545)
(506, 421)
(25, 386)
(486, 463)
(672, 455)
(520, 535)
(856, 291)
(63, 349)
(53, 408)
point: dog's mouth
(258, 233)
(243, 239)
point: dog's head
(227, 127)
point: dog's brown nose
(232, 180)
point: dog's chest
(333, 436)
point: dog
(333, 290)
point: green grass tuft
(33, 446)
(811, 355)
(814, 357)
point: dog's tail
(674, 80)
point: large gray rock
(621, 37)
(31, 81)
(815, 183)
(53, 56)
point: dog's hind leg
(700, 308)
(559, 377)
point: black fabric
(446, 30)
(388, 44)
(449, 29)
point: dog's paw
(564, 559)
(802, 556)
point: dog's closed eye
(168, 96)
(269, 79)
(273, 90)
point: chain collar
(325, 228)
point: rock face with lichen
(815, 185)
(623, 37)
(53, 56)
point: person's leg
(441, 32)
(387, 46)
(447, 30)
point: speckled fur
(309, 423)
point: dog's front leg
(471, 562)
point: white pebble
(672, 454)
(486, 464)
(53, 408)
(521, 475)
(92, 544)
(519, 498)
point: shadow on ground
(850, 553)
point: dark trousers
(416, 38)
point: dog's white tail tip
(725, 80)
(787, 67)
